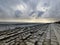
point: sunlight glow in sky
(21, 7)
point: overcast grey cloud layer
(29, 8)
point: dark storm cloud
(18, 13)
(25, 8)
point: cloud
(54, 11)
(29, 8)
(18, 13)
(8, 8)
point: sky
(30, 10)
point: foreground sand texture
(40, 34)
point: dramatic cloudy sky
(29, 9)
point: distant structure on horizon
(58, 22)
